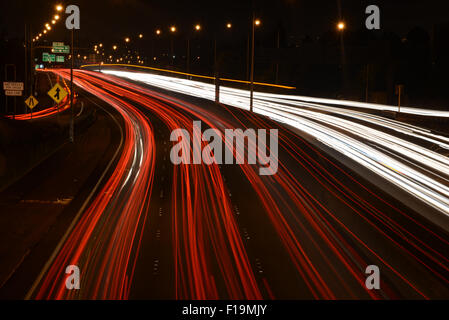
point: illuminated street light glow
(114, 47)
(229, 25)
(173, 29)
(341, 26)
(59, 7)
(198, 27)
(53, 21)
(127, 39)
(56, 17)
(158, 32)
(140, 36)
(257, 22)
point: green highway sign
(59, 58)
(60, 47)
(46, 57)
(63, 49)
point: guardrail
(190, 75)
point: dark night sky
(109, 19)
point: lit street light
(341, 26)
(256, 23)
(127, 39)
(59, 7)
(197, 29)
(229, 25)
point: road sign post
(13, 89)
(57, 93)
(31, 102)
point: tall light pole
(172, 53)
(255, 22)
(72, 120)
(197, 28)
(72, 22)
(341, 27)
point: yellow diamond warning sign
(31, 102)
(57, 93)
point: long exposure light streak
(411, 174)
(328, 246)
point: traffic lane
(39, 208)
(278, 230)
(375, 237)
(105, 238)
(419, 171)
(387, 228)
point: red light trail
(329, 251)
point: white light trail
(398, 152)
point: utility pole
(217, 77)
(188, 56)
(278, 43)
(251, 103)
(367, 83)
(26, 58)
(72, 120)
(399, 89)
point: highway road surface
(353, 189)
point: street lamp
(229, 25)
(127, 39)
(114, 47)
(172, 53)
(256, 23)
(197, 29)
(341, 26)
(158, 32)
(140, 36)
(59, 7)
(56, 17)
